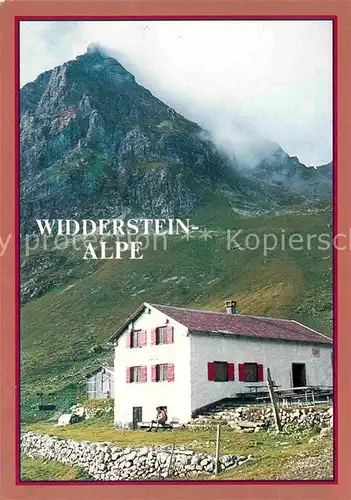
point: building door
(299, 375)
(137, 416)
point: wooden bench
(245, 424)
(165, 427)
(263, 398)
(257, 388)
(303, 395)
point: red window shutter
(143, 337)
(170, 337)
(153, 336)
(242, 372)
(153, 373)
(230, 371)
(260, 373)
(143, 373)
(128, 378)
(128, 339)
(170, 373)
(211, 371)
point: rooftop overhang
(218, 333)
(111, 341)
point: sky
(243, 81)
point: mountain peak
(95, 48)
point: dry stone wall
(302, 417)
(106, 462)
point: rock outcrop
(95, 143)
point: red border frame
(218, 482)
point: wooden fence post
(218, 442)
(170, 460)
(274, 401)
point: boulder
(325, 432)
(66, 419)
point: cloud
(241, 80)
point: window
(220, 371)
(91, 387)
(250, 372)
(162, 335)
(105, 382)
(162, 373)
(136, 374)
(136, 338)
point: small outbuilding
(100, 383)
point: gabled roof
(108, 368)
(126, 322)
(243, 325)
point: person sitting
(161, 419)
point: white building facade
(184, 359)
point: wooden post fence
(170, 461)
(218, 443)
(274, 401)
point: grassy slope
(275, 455)
(59, 328)
(38, 469)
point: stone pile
(303, 417)
(81, 412)
(106, 462)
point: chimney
(230, 307)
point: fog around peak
(251, 84)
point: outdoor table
(257, 388)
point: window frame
(162, 368)
(246, 374)
(91, 385)
(133, 370)
(221, 364)
(164, 330)
(136, 333)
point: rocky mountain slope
(278, 168)
(94, 143)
